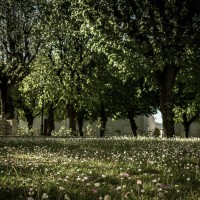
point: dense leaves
(19, 45)
(103, 59)
(156, 37)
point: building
(194, 130)
(146, 126)
(113, 127)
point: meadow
(94, 169)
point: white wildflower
(97, 184)
(31, 191)
(66, 197)
(61, 188)
(118, 187)
(139, 182)
(44, 196)
(85, 178)
(30, 198)
(107, 197)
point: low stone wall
(8, 127)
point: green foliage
(23, 130)
(20, 39)
(20, 42)
(187, 96)
(63, 132)
(88, 53)
(140, 38)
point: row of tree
(90, 60)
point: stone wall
(8, 127)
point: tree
(25, 99)
(65, 51)
(187, 99)
(75, 67)
(19, 45)
(134, 98)
(145, 37)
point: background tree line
(90, 60)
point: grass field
(93, 169)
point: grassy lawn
(93, 169)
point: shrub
(23, 130)
(62, 132)
(156, 132)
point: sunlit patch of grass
(90, 169)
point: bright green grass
(90, 169)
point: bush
(156, 132)
(23, 130)
(62, 132)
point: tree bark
(165, 80)
(72, 119)
(132, 122)
(50, 120)
(166, 108)
(103, 121)
(7, 109)
(80, 118)
(187, 123)
(29, 117)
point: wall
(193, 132)
(8, 127)
(114, 127)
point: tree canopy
(105, 59)
(19, 45)
(140, 37)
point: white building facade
(113, 127)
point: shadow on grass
(54, 193)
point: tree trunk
(50, 120)
(187, 129)
(29, 117)
(7, 109)
(132, 122)
(103, 121)
(166, 108)
(72, 119)
(80, 118)
(186, 123)
(165, 80)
